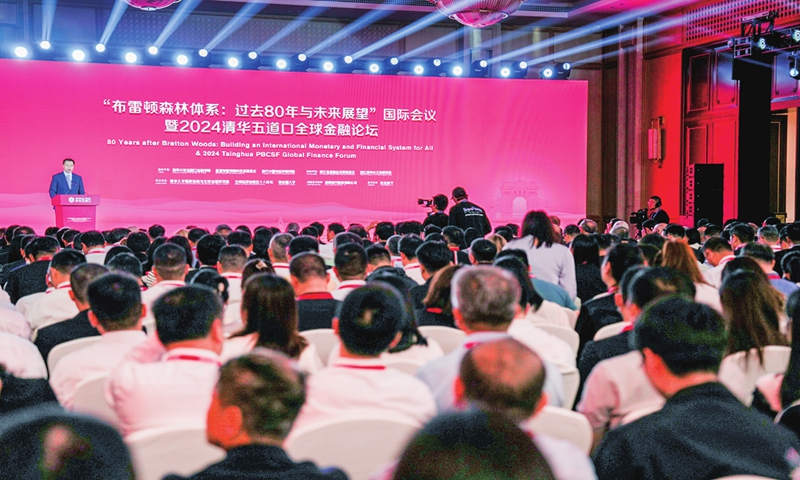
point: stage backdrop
(184, 146)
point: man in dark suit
(208, 248)
(316, 307)
(257, 399)
(432, 257)
(79, 325)
(66, 182)
(32, 278)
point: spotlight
(201, 58)
(281, 64)
(795, 35)
(762, 43)
(456, 71)
(299, 63)
(251, 61)
(21, 52)
(131, 57)
(78, 55)
(328, 66)
(346, 64)
(519, 69)
(233, 62)
(182, 59)
(559, 71)
(563, 70)
(479, 69)
(374, 68)
(152, 50)
(153, 56)
(433, 67)
(547, 73)
(100, 48)
(391, 66)
(505, 72)
(793, 71)
(44, 45)
(418, 70)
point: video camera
(425, 202)
(639, 217)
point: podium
(76, 211)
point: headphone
(657, 199)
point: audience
(32, 278)
(170, 269)
(315, 305)
(56, 305)
(350, 267)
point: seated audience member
(541, 310)
(765, 257)
(269, 311)
(32, 278)
(602, 310)
(790, 242)
(407, 247)
(718, 252)
(485, 300)
(472, 445)
(114, 251)
(587, 267)
(315, 305)
(358, 382)
(768, 235)
(56, 305)
(551, 348)
(791, 267)
(94, 243)
(774, 392)
(380, 264)
(256, 400)
(254, 267)
(702, 431)
(454, 238)
(127, 263)
(138, 242)
(741, 235)
(570, 232)
(547, 290)
(170, 268)
(278, 255)
(678, 256)
(432, 257)
(20, 357)
(230, 265)
(506, 376)
(45, 442)
(482, 252)
(78, 326)
(300, 244)
(350, 267)
(438, 311)
(16, 392)
(208, 248)
(177, 389)
(754, 311)
(116, 312)
(242, 239)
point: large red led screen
(183, 146)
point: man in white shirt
(170, 268)
(230, 265)
(56, 305)
(116, 312)
(177, 389)
(350, 267)
(408, 247)
(358, 383)
(277, 254)
(94, 246)
(718, 252)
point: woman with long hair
(269, 313)
(548, 259)
(679, 256)
(438, 309)
(775, 392)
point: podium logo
(71, 199)
(79, 200)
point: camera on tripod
(425, 202)
(638, 218)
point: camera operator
(465, 214)
(655, 212)
(437, 215)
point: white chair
(610, 330)
(448, 338)
(408, 366)
(356, 445)
(564, 424)
(567, 334)
(637, 414)
(90, 399)
(740, 372)
(161, 451)
(571, 380)
(572, 315)
(324, 339)
(63, 349)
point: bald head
(505, 376)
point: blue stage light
(21, 52)
(78, 55)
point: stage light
(44, 45)
(299, 63)
(479, 69)
(251, 61)
(391, 66)
(233, 62)
(374, 68)
(547, 73)
(182, 59)
(281, 64)
(201, 58)
(456, 71)
(78, 55)
(21, 52)
(346, 64)
(100, 48)
(795, 35)
(418, 70)
(433, 67)
(327, 66)
(793, 70)
(563, 69)
(519, 69)
(202, 52)
(131, 57)
(505, 72)
(152, 50)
